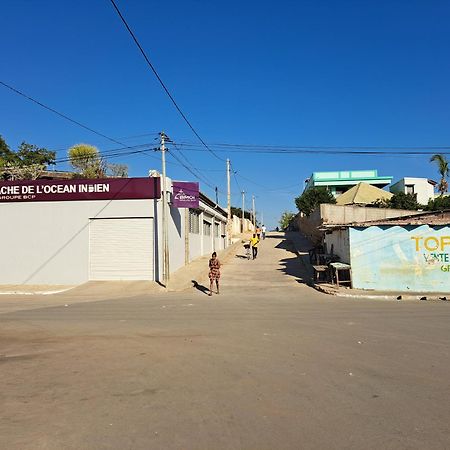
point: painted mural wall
(408, 258)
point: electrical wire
(294, 147)
(166, 90)
(191, 171)
(64, 116)
(318, 151)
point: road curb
(395, 296)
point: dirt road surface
(267, 364)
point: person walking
(263, 232)
(254, 241)
(214, 273)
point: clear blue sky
(338, 73)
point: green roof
(347, 177)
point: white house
(423, 188)
(67, 232)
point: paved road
(267, 364)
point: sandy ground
(267, 364)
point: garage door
(121, 249)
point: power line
(130, 31)
(330, 147)
(76, 122)
(64, 116)
(113, 153)
(191, 171)
(318, 151)
(188, 162)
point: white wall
(195, 246)
(339, 239)
(48, 242)
(422, 188)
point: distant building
(341, 181)
(422, 188)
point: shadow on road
(297, 266)
(200, 287)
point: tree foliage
(443, 169)
(312, 198)
(439, 203)
(117, 170)
(28, 162)
(400, 200)
(238, 212)
(285, 219)
(87, 162)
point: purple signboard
(185, 194)
(67, 190)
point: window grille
(194, 221)
(206, 228)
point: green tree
(399, 200)
(117, 170)
(28, 162)
(439, 203)
(87, 161)
(238, 212)
(312, 198)
(285, 219)
(443, 169)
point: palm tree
(444, 170)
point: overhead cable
(166, 90)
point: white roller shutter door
(121, 249)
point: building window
(409, 189)
(194, 221)
(206, 228)
(216, 230)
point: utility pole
(165, 227)
(243, 211)
(254, 213)
(228, 202)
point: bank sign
(185, 194)
(70, 190)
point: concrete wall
(340, 242)
(422, 188)
(337, 214)
(201, 244)
(48, 242)
(195, 246)
(394, 258)
(236, 225)
(308, 226)
(176, 238)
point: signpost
(185, 194)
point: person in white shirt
(263, 231)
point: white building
(67, 232)
(423, 188)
